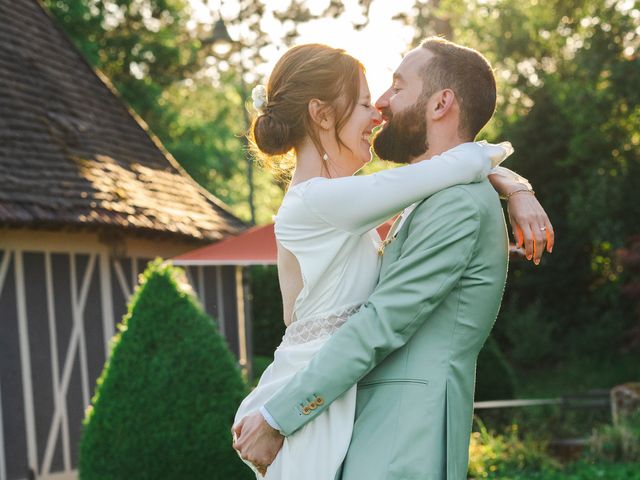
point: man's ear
(321, 114)
(442, 103)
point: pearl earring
(325, 157)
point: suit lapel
(392, 246)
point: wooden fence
(566, 448)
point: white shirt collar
(403, 217)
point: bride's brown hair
(305, 72)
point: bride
(317, 106)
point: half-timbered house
(87, 196)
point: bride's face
(356, 132)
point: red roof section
(256, 246)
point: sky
(379, 46)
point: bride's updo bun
(304, 73)
(272, 135)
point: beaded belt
(313, 328)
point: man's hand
(256, 441)
(530, 225)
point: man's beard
(404, 137)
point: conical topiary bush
(165, 401)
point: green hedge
(494, 377)
(166, 398)
(268, 323)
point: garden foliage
(619, 442)
(512, 455)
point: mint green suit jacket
(412, 348)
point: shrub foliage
(165, 401)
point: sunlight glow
(379, 46)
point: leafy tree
(629, 259)
(142, 46)
(579, 145)
(567, 73)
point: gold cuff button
(306, 410)
(319, 401)
(313, 405)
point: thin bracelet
(522, 190)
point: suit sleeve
(360, 203)
(441, 239)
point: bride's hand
(530, 225)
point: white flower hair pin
(259, 97)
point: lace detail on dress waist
(313, 328)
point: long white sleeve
(358, 204)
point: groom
(412, 348)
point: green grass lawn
(578, 471)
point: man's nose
(383, 101)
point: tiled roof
(73, 155)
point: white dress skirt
(317, 450)
(329, 226)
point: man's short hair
(469, 74)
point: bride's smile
(356, 133)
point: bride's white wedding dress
(329, 226)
